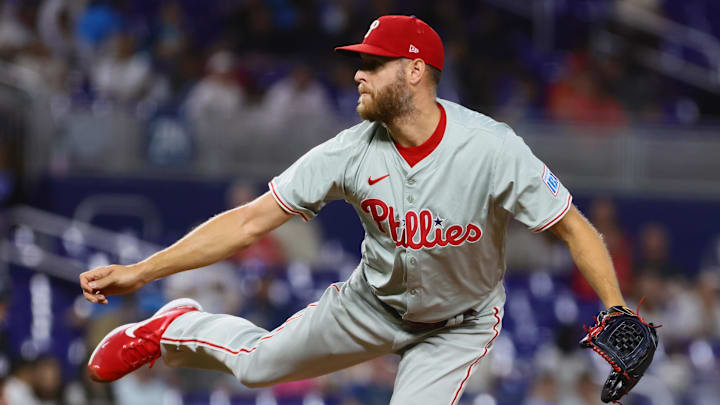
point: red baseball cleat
(130, 346)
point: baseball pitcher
(434, 185)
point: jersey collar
(414, 154)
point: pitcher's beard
(387, 104)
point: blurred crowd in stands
(270, 66)
(212, 60)
(111, 85)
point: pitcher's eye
(370, 65)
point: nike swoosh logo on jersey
(371, 181)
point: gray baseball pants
(347, 326)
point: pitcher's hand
(99, 283)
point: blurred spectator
(48, 384)
(215, 110)
(215, 287)
(270, 304)
(55, 26)
(6, 288)
(143, 387)
(369, 383)
(172, 48)
(39, 72)
(562, 353)
(297, 101)
(335, 16)
(35, 382)
(577, 97)
(295, 389)
(16, 26)
(516, 98)
(638, 6)
(693, 312)
(300, 241)
(344, 91)
(11, 135)
(122, 74)
(217, 98)
(708, 290)
(170, 37)
(603, 216)
(653, 289)
(251, 25)
(99, 21)
(654, 246)
(448, 88)
(586, 391)
(675, 371)
(711, 256)
(85, 391)
(18, 389)
(544, 390)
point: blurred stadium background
(126, 123)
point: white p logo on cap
(374, 25)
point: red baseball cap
(400, 36)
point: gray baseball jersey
(434, 243)
(433, 249)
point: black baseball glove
(625, 341)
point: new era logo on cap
(399, 36)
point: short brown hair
(435, 74)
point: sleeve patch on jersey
(551, 181)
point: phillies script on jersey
(419, 224)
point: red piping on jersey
(282, 203)
(485, 351)
(241, 350)
(281, 327)
(414, 154)
(212, 345)
(557, 218)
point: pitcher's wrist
(144, 271)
